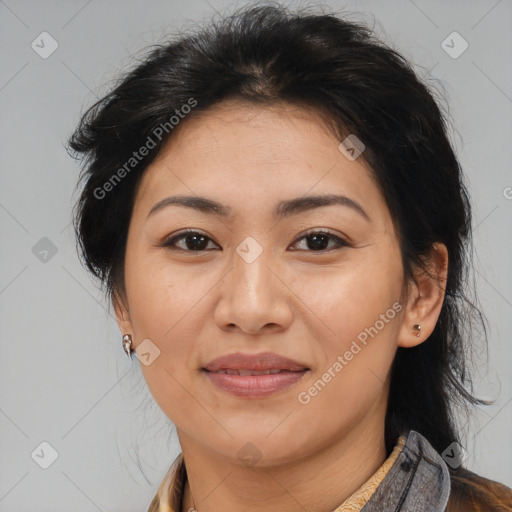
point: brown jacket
(473, 493)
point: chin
(257, 448)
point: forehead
(247, 153)
(233, 127)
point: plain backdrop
(64, 379)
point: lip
(257, 362)
(254, 386)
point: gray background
(64, 378)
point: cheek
(164, 303)
(360, 321)
(161, 295)
(356, 359)
(353, 296)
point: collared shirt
(414, 478)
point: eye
(318, 241)
(194, 241)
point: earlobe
(425, 299)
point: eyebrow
(283, 209)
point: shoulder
(473, 493)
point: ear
(120, 304)
(425, 298)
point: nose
(254, 298)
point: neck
(320, 482)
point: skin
(302, 304)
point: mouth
(261, 362)
(254, 375)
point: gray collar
(418, 481)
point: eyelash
(169, 243)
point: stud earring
(417, 327)
(127, 345)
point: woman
(283, 229)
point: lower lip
(255, 386)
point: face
(317, 283)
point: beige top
(170, 492)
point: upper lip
(257, 362)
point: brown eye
(318, 241)
(191, 241)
